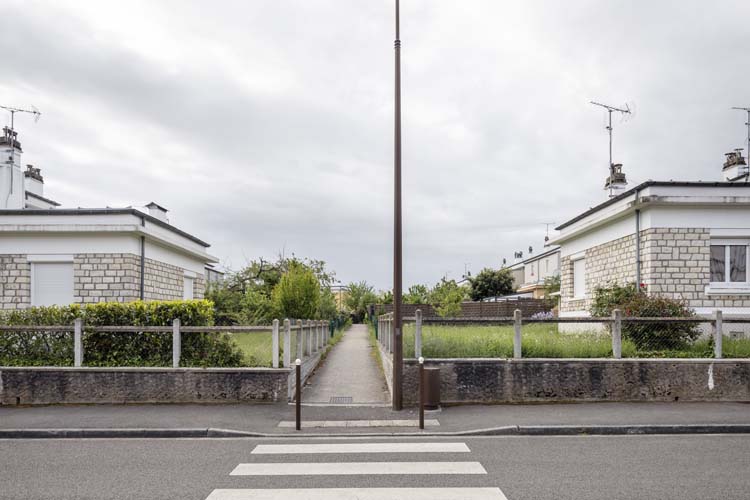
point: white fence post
(309, 338)
(390, 334)
(287, 343)
(323, 336)
(517, 334)
(718, 334)
(318, 336)
(300, 340)
(176, 343)
(617, 334)
(275, 344)
(418, 334)
(78, 343)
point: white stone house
(51, 255)
(684, 240)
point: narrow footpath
(349, 375)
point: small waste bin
(432, 388)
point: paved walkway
(349, 375)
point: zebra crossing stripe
(361, 494)
(357, 468)
(297, 449)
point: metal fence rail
(301, 339)
(648, 336)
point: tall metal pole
(611, 169)
(398, 352)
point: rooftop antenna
(12, 137)
(747, 110)
(546, 235)
(616, 179)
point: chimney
(157, 211)
(12, 194)
(33, 180)
(735, 167)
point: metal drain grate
(341, 399)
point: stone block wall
(163, 281)
(610, 263)
(579, 380)
(15, 281)
(675, 263)
(104, 277)
(99, 277)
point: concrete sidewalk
(349, 374)
(265, 419)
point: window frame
(728, 287)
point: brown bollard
(421, 393)
(298, 394)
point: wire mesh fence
(545, 336)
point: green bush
(636, 303)
(113, 348)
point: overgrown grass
(257, 347)
(543, 340)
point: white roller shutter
(52, 283)
(187, 293)
(579, 278)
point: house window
(51, 283)
(729, 262)
(187, 292)
(579, 278)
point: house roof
(42, 198)
(644, 185)
(106, 211)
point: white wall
(46, 244)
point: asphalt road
(577, 467)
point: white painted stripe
(362, 494)
(357, 468)
(297, 449)
(308, 424)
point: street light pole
(398, 351)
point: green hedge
(112, 348)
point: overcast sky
(267, 125)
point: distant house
(685, 240)
(529, 275)
(51, 255)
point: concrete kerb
(512, 430)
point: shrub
(636, 303)
(112, 348)
(297, 295)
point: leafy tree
(385, 297)
(491, 283)
(446, 298)
(245, 296)
(359, 296)
(552, 285)
(327, 309)
(297, 295)
(417, 294)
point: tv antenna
(546, 235)
(747, 110)
(616, 179)
(11, 134)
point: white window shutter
(53, 283)
(187, 293)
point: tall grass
(543, 340)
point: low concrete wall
(546, 380)
(53, 385)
